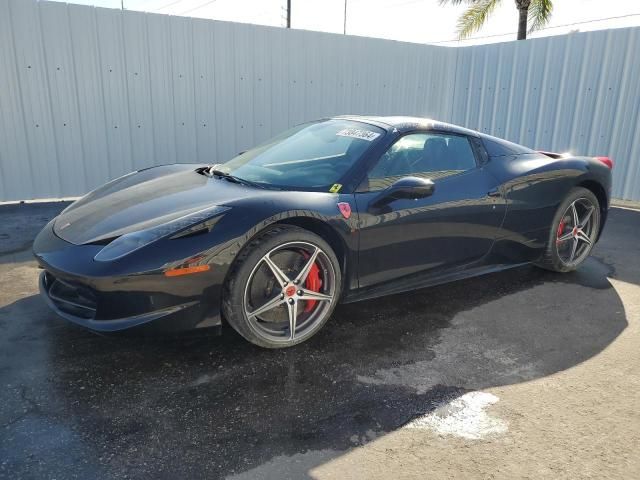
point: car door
(453, 227)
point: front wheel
(573, 233)
(283, 287)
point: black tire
(555, 258)
(289, 242)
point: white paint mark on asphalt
(471, 353)
(458, 362)
(463, 417)
(203, 380)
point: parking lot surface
(524, 373)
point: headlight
(131, 242)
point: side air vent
(74, 299)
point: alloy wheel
(290, 292)
(576, 232)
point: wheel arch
(312, 224)
(265, 232)
(325, 231)
(601, 194)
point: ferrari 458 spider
(340, 209)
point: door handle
(494, 193)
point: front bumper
(96, 297)
(83, 313)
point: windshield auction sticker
(357, 133)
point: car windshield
(312, 156)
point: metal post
(344, 29)
(288, 13)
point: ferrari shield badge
(345, 209)
(335, 188)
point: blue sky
(421, 21)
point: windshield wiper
(214, 171)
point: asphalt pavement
(523, 373)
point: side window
(428, 155)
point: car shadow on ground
(619, 247)
(213, 406)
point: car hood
(142, 200)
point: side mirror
(408, 188)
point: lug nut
(291, 301)
(300, 293)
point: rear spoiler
(606, 160)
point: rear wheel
(573, 232)
(283, 287)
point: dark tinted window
(428, 155)
(497, 147)
(481, 152)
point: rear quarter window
(497, 147)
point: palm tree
(472, 20)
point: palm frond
(475, 17)
(539, 14)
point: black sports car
(340, 209)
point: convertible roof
(403, 124)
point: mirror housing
(406, 188)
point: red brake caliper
(312, 283)
(560, 229)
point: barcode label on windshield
(357, 133)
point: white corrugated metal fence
(88, 94)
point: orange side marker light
(176, 272)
